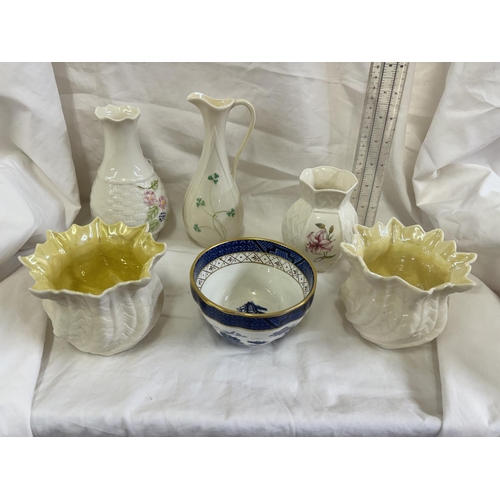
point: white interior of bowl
(253, 288)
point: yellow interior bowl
(422, 259)
(93, 258)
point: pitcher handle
(243, 102)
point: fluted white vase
(401, 278)
(98, 285)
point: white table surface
(321, 379)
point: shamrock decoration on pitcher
(213, 211)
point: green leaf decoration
(214, 178)
(331, 229)
(152, 213)
(321, 226)
(197, 228)
(231, 212)
(153, 186)
(200, 202)
(153, 225)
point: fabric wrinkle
(322, 378)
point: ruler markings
(387, 138)
(380, 110)
(379, 167)
(366, 123)
(372, 119)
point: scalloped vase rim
(148, 265)
(328, 190)
(349, 254)
(104, 112)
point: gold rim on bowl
(252, 315)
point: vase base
(80, 326)
(401, 344)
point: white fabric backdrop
(38, 186)
(448, 172)
(321, 379)
(38, 191)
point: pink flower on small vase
(319, 242)
(162, 202)
(149, 198)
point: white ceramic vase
(401, 279)
(126, 187)
(98, 285)
(213, 211)
(323, 216)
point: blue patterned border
(262, 258)
(255, 246)
(257, 322)
(237, 338)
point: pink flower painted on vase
(149, 198)
(319, 242)
(162, 203)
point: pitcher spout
(214, 112)
(203, 101)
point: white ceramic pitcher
(323, 216)
(213, 211)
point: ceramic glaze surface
(126, 187)
(97, 271)
(415, 265)
(98, 284)
(401, 278)
(232, 287)
(323, 216)
(252, 290)
(240, 336)
(212, 210)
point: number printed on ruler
(380, 112)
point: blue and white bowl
(252, 290)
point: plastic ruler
(380, 112)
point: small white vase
(401, 279)
(323, 216)
(126, 187)
(212, 210)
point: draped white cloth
(448, 171)
(322, 378)
(38, 191)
